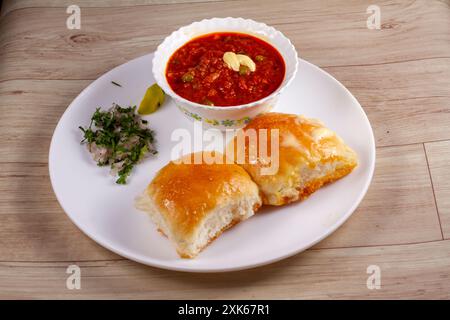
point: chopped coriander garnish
(115, 83)
(118, 138)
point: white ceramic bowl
(233, 116)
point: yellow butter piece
(246, 61)
(231, 60)
(234, 61)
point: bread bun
(309, 156)
(192, 204)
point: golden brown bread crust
(310, 155)
(185, 193)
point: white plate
(105, 210)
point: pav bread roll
(192, 204)
(309, 156)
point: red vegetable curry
(198, 73)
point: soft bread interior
(211, 226)
(304, 180)
(144, 203)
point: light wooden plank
(111, 36)
(33, 110)
(410, 216)
(399, 206)
(33, 227)
(38, 104)
(11, 5)
(439, 160)
(40, 231)
(390, 87)
(399, 74)
(418, 91)
(407, 271)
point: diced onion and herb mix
(118, 138)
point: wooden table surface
(400, 74)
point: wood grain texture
(399, 206)
(393, 92)
(134, 31)
(34, 110)
(32, 49)
(400, 74)
(33, 225)
(11, 5)
(408, 271)
(438, 154)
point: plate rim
(167, 266)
